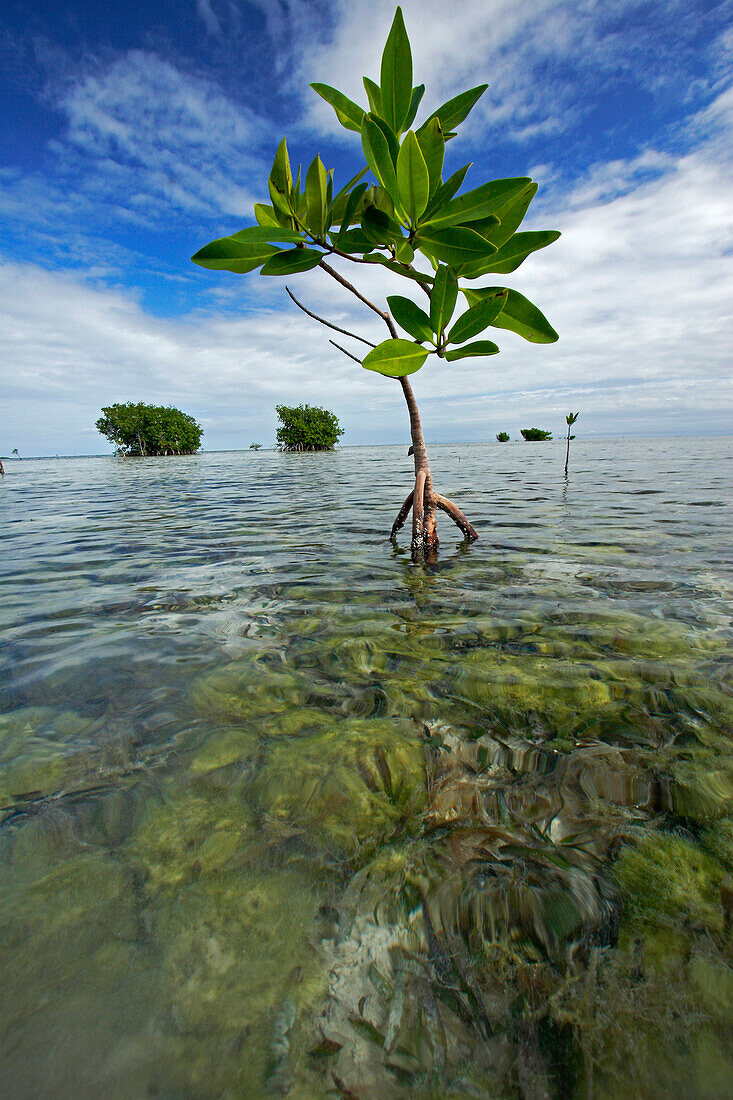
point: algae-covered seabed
(283, 814)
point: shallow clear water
(283, 813)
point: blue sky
(130, 138)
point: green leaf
(476, 319)
(342, 195)
(376, 151)
(393, 143)
(484, 226)
(377, 196)
(480, 347)
(256, 233)
(354, 241)
(292, 261)
(352, 205)
(511, 216)
(265, 215)
(477, 204)
(442, 299)
(512, 254)
(373, 95)
(228, 254)
(452, 113)
(380, 227)
(281, 174)
(316, 194)
(281, 179)
(412, 178)
(348, 113)
(446, 191)
(395, 358)
(455, 246)
(410, 317)
(281, 204)
(518, 315)
(404, 251)
(396, 75)
(417, 94)
(432, 147)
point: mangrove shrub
(141, 430)
(531, 435)
(502, 437)
(307, 428)
(408, 218)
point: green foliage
(255, 446)
(532, 435)
(138, 429)
(307, 428)
(502, 437)
(409, 210)
(571, 418)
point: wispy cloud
(208, 17)
(162, 137)
(639, 287)
(537, 57)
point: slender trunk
(429, 532)
(567, 453)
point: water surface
(282, 813)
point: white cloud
(535, 56)
(208, 17)
(639, 287)
(142, 128)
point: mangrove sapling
(15, 452)
(502, 437)
(408, 215)
(569, 420)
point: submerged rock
(44, 751)
(348, 789)
(184, 834)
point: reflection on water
(284, 814)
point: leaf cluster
(137, 429)
(532, 435)
(571, 418)
(307, 428)
(502, 437)
(406, 210)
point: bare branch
(356, 360)
(410, 272)
(345, 283)
(328, 324)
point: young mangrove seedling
(408, 219)
(569, 420)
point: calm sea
(282, 813)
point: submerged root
(424, 502)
